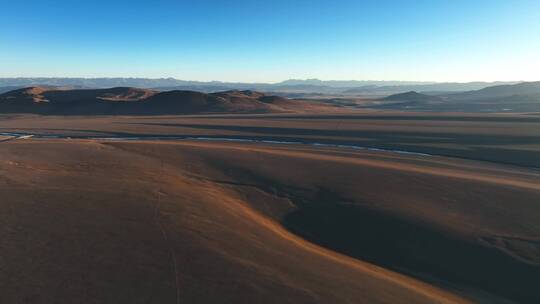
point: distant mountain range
(136, 101)
(287, 88)
(516, 92)
(521, 97)
(350, 83)
(65, 100)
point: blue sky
(268, 41)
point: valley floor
(90, 220)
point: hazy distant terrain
(302, 88)
(8, 88)
(522, 97)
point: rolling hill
(135, 101)
(412, 96)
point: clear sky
(268, 41)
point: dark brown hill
(55, 94)
(412, 96)
(134, 101)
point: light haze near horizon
(270, 41)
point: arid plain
(365, 207)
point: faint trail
(157, 213)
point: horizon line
(269, 82)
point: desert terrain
(364, 207)
(269, 152)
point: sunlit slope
(467, 226)
(144, 223)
